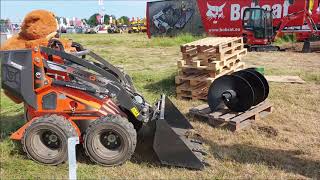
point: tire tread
(123, 122)
(58, 120)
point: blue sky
(15, 10)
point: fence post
(72, 142)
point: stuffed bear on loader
(38, 27)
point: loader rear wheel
(45, 140)
(110, 140)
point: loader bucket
(171, 142)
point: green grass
(285, 39)
(174, 41)
(254, 153)
(131, 40)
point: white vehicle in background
(71, 30)
(92, 30)
(5, 34)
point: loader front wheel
(45, 140)
(110, 140)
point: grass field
(284, 145)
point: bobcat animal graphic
(215, 12)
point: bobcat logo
(215, 12)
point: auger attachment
(239, 91)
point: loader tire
(110, 140)
(46, 139)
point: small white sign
(72, 142)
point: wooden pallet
(197, 91)
(202, 74)
(214, 55)
(204, 61)
(187, 96)
(233, 121)
(210, 42)
(213, 65)
(195, 86)
(192, 88)
(212, 48)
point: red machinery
(259, 31)
(310, 28)
(224, 18)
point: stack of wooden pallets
(205, 60)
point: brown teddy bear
(37, 28)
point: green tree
(64, 21)
(4, 21)
(92, 21)
(124, 20)
(121, 21)
(106, 19)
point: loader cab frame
(257, 26)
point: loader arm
(116, 86)
(291, 17)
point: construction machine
(259, 32)
(138, 26)
(78, 93)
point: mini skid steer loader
(79, 93)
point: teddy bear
(38, 27)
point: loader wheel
(110, 140)
(45, 140)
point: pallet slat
(233, 121)
(217, 53)
(199, 75)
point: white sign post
(72, 142)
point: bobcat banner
(218, 18)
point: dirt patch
(292, 46)
(269, 131)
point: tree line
(92, 21)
